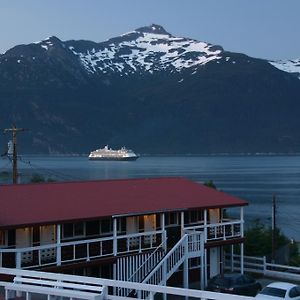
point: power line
(49, 171)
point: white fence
(261, 266)
(110, 285)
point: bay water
(253, 178)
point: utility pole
(273, 228)
(14, 130)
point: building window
(71, 230)
(158, 225)
(196, 216)
(106, 226)
(141, 223)
(193, 216)
(92, 228)
(2, 238)
(171, 218)
(122, 225)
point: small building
(119, 229)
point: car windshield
(271, 291)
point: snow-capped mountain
(150, 91)
(290, 66)
(145, 49)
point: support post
(242, 244)
(264, 265)
(18, 260)
(115, 244)
(273, 228)
(182, 223)
(205, 225)
(164, 277)
(232, 259)
(205, 250)
(202, 262)
(163, 228)
(58, 244)
(186, 265)
(114, 278)
(14, 130)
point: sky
(260, 28)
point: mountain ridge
(150, 91)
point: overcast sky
(259, 28)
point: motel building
(159, 231)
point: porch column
(115, 244)
(205, 225)
(186, 266)
(182, 223)
(58, 244)
(242, 244)
(163, 228)
(202, 263)
(232, 259)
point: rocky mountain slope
(150, 91)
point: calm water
(253, 178)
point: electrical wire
(49, 172)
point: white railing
(261, 266)
(136, 268)
(115, 284)
(83, 250)
(195, 243)
(219, 231)
(187, 247)
(148, 264)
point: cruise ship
(110, 154)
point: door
(214, 261)
(132, 227)
(24, 240)
(47, 237)
(214, 218)
(150, 225)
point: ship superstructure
(107, 153)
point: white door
(149, 225)
(214, 215)
(132, 227)
(24, 240)
(214, 218)
(214, 261)
(47, 237)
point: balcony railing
(83, 250)
(220, 231)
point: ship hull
(133, 158)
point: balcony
(226, 230)
(83, 250)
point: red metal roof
(46, 203)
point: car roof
(231, 275)
(281, 285)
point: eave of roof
(50, 203)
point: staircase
(135, 268)
(189, 246)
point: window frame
(3, 238)
(73, 229)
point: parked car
(234, 283)
(279, 290)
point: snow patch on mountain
(290, 66)
(147, 49)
